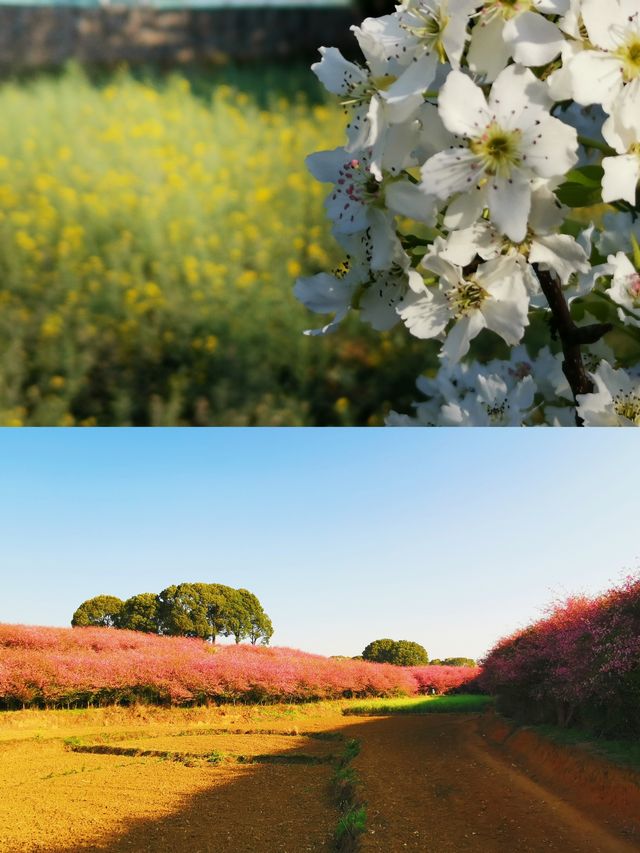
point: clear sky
(451, 538)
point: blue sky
(451, 538)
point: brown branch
(572, 337)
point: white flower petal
(551, 146)
(509, 205)
(466, 208)
(518, 98)
(435, 263)
(454, 36)
(552, 7)
(383, 239)
(598, 18)
(378, 39)
(335, 72)
(378, 306)
(407, 199)
(507, 317)
(560, 253)
(524, 393)
(461, 247)
(597, 78)
(348, 216)
(462, 105)
(533, 39)
(547, 214)
(488, 51)
(627, 108)
(325, 165)
(465, 330)
(449, 172)
(620, 180)
(415, 80)
(616, 135)
(372, 129)
(426, 314)
(324, 294)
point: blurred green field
(151, 228)
(454, 704)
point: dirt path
(433, 784)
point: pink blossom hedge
(579, 665)
(64, 666)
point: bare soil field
(258, 780)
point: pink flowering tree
(580, 664)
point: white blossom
(518, 29)
(492, 297)
(446, 198)
(622, 131)
(615, 400)
(600, 74)
(511, 139)
(625, 288)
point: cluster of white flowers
(466, 197)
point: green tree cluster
(397, 652)
(453, 662)
(205, 610)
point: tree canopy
(139, 613)
(101, 611)
(454, 662)
(204, 610)
(397, 652)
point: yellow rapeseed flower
(294, 268)
(51, 326)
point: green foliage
(140, 613)
(623, 752)
(101, 611)
(203, 610)
(346, 785)
(583, 187)
(193, 610)
(351, 750)
(244, 618)
(397, 652)
(351, 824)
(453, 662)
(460, 703)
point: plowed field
(258, 781)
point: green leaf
(583, 187)
(590, 176)
(636, 251)
(575, 194)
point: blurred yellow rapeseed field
(150, 233)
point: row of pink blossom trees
(57, 667)
(579, 665)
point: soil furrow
(434, 785)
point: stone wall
(33, 37)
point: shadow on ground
(432, 784)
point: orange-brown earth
(432, 784)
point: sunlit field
(151, 229)
(444, 704)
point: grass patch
(194, 758)
(350, 826)
(353, 813)
(462, 703)
(625, 753)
